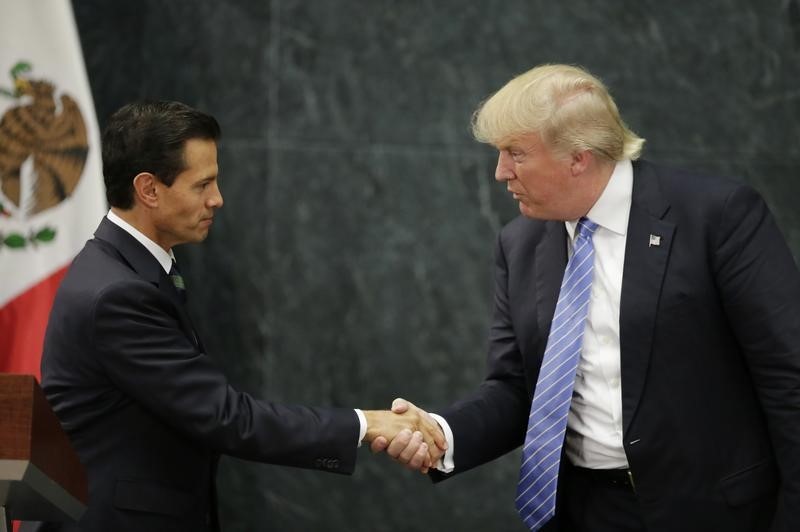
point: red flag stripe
(23, 321)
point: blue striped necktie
(547, 424)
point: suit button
(327, 463)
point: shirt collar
(613, 208)
(164, 258)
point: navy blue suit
(145, 407)
(710, 354)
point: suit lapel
(647, 253)
(168, 288)
(146, 265)
(551, 260)
(135, 254)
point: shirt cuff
(363, 430)
(445, 463)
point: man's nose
(216, 200)
(503, 172)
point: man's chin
(200, 236)
(526, 211)
(535, 214)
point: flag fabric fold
(51, 187)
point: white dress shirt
(594, 426)
(165, 259)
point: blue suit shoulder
(680, 186)
(523, 230)
(97, 266)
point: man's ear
(144, 188)
(580, 162)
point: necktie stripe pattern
(547, 423)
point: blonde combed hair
(571, 110)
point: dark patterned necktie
(547, 424)
(177, 281)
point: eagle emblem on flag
(43, 150)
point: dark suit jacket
(710, 354)
(147, 410)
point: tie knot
(586, 227)
(176, 277)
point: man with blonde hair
(645, 344)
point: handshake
(408, 434)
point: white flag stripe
(44, 34)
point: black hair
(149, 137)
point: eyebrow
(511, 143)
(515, 147)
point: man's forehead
(520, 140)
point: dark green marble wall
(351, 262)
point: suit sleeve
(760, 286)
(493, 421)
(139, 342)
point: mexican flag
(51, 187)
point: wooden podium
(41, 478)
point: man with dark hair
(150, 136)
(127, 375)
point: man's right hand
(408, 434)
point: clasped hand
(407, 433)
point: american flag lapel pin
(655, 240)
